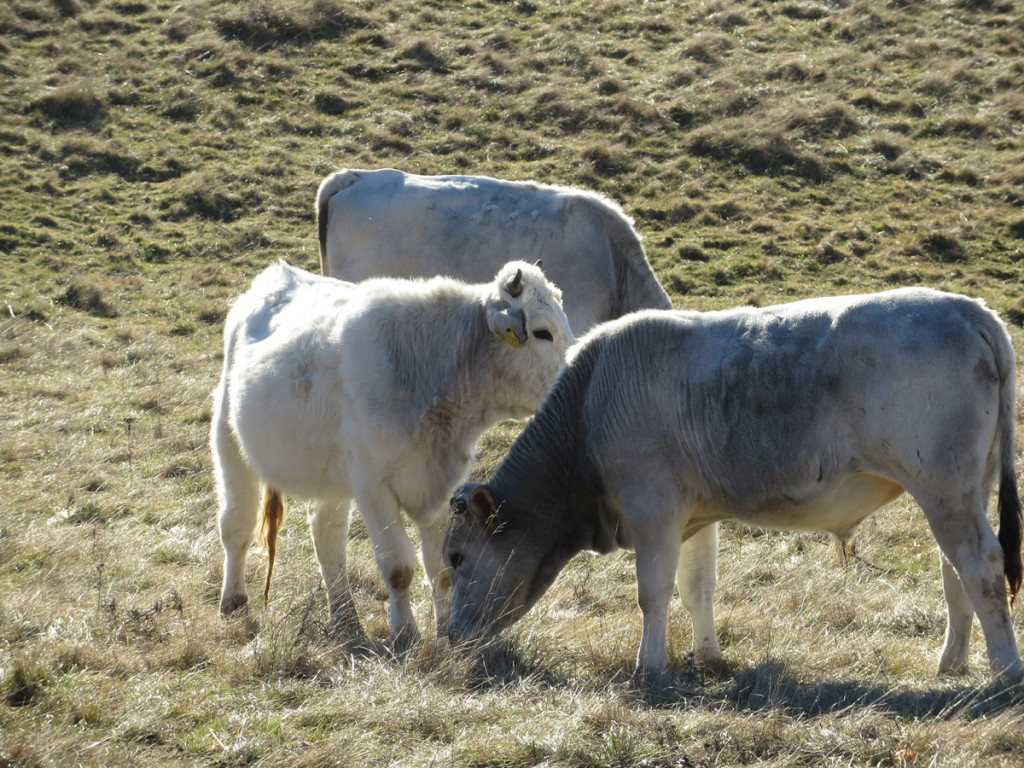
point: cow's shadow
(768, 686)
(764, 686)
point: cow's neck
(548, 478)
(460, 412)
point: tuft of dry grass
(72, 102)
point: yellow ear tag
(511, 338)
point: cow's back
(281, 372)
(389, 223)
(757, 404)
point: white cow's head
(524, 311)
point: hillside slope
(156, 154)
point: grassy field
(156, 154)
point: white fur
(372, 392)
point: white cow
(395, 224)
(804, 416)
(375, 392)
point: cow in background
(395, 224)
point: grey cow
(810, 415)
(395, 224)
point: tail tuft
(271, 518)
(1010, 534)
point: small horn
(538, 264)
(515, 285)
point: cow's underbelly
(302, 474)
(296, 453)
(837, 508)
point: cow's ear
(481, 504)
(509, 323)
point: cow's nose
(459, 632)
(454, 636)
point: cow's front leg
(431, 541)
(657, 558)
(396, 560)
(328, 524)
(697, 578)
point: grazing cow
(395, 224)
(375, 392)
(810, 415)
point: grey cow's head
(524, 310)
(500, 563)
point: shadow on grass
(515, 659)
(496, 663)
(769, 686)
(765, 686)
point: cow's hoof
(1010, 676)
(230, 604)
(347, 630)
(651, 679)
(717, 666)
(405, 640)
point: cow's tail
(330, 186)
(271, 518)
(1010, 533)
(636, 285)
(1009, 499)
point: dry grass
(156, 155)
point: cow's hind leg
(238, 491)
(971, 547)
(328, 524)
(959, 617)
(396, 560)
(697, 578)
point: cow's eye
(545, 335)
(455, 560)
